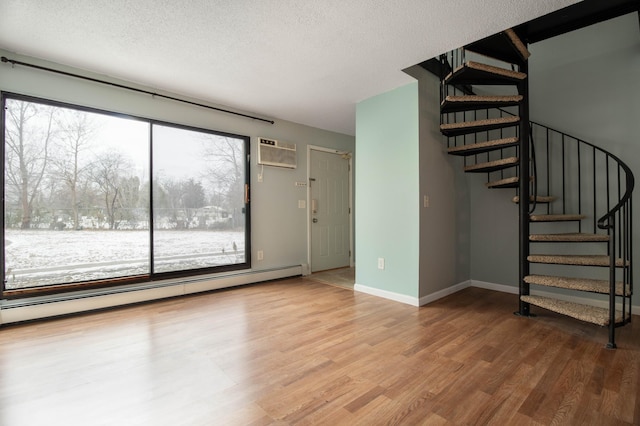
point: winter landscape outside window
(91, 196)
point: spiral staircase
(574, 198)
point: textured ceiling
(305, 61)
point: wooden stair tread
(466, 127)
(556, 217)
(580, 284)
(518, 44)
(481, 147)
(471, 102)
(577, 237)
(580, 260)
(511, 182)
(587, 313)
(491, 166)
(477, 73)
(540, 199)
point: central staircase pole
(524, 189)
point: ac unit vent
(276, 153)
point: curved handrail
(604, 221)
(451, 60)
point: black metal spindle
(580, 188)
(548, 166)
(629, 237)
(534, 167)
(612, 290)
(564, 179)
(608, 186)
(595, 193)
(523, 186)
(620, 227)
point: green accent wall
(387, 191)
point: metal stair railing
(587, 179)
(598, 184)
(449, 62)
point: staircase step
(540, 199)
(505, 46)
(580, 260)
(556, 217)
(492, 166)
(478, 148)
(569, 238)
(482, 74)
(587, 313)
(466, 127)
(580, 284)
(472, 102)
(511, 182)
(518, 44)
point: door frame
(351, 224)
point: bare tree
(183, 198)
(225, 170)
(76, 132)
(129, 198)
(108, 173)
(29, 133)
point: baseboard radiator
(13, 311)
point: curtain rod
(121, 86)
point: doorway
(329, 209)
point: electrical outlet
(260, 177)
(426, 201)
(260, 255)
(381, 263)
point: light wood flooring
(301, 352)
(341, 277)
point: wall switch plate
(426, 201)
(302, 204)
(260, 255)
(381, 263)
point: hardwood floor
(301, 352)
(341, 277)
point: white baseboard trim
(495, 287)
(68, 304)
(409, 300)
(385, 294)
(444, 293)
(480, 284)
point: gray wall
(279, 227)
(444, 224)
(584, 83)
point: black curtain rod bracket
(13, 62)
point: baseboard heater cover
(12, 311)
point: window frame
(152, 276)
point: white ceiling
(300, 60)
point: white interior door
(329, 211)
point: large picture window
(198, 199)
(93, 198)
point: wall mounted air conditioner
(276, 153)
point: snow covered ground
(43, 257)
